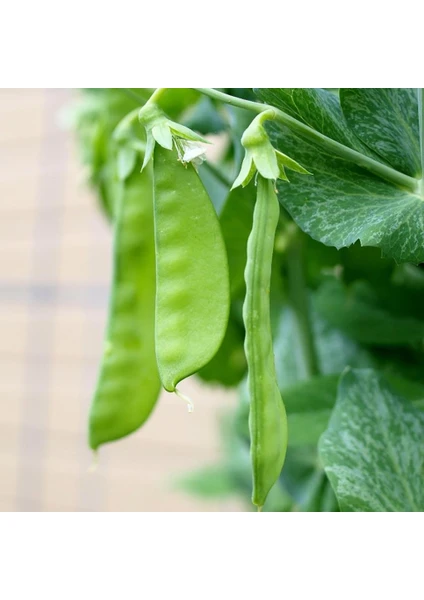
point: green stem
(325, 142)
(134, 96)
(124, 124)
(299, 299)
(156, 95)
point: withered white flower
(161, 130)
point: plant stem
(125, 124)
(325, 142)
(298, 294)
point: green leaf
(210, 482)
(316, 107)
(309, 404)
(357, 312)
(236, 223)
(305, 481)
(341, 203)
(217, 190)
(386, 120)
(126, 160)
(409, 276)
(373, 449)
(290, 363)
(228, 366)
(204, 117)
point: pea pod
(267, 418)
(192, 296)
(128, 383)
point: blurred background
(55, 268)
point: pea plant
(289, 268)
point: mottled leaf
(373, 450)
(386, 120)
(341, 203)
(317, 108)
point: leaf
(228, 366)
(309, 404)
(386, 120)
(341, 203)
(217, 190)
(373, 448)
(316, 107)
(357, 312)
(126, 160)
(204, 117)
(304, 480)
(210, 482)
(236, 223)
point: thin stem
(125, 123)
(133, 95)
(327, 143)
(156, 95)
(298, 293)
(233, 100)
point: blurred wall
(55, 262)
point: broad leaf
(357, 312)
(316, 107)
(341, 203)
(373, 449)
(309, 404)
(386, 120)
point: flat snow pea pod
(267, 417)
(128, 383)
(192, 295)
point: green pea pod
(128, 384)
(267, 418)
(192, 297)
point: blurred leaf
(236, 223)
(216, 188)
(372, 450)
(409, 276)
(126, 160)
(204, 117)
(210, 482)
(356, 311)
(228, 366)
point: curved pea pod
(192, 296)
(267, 417)
(128, 383)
